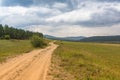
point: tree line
(7, 32)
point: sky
(63, 17)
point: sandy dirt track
(30, 66)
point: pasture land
(89, 61)
(11, 48)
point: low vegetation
(9, 48)
(89, 61)
(38, 42)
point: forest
(7, 32)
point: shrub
(37, 41)
(7, 37)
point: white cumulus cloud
(75, 30)
(71, 17)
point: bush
(7, 37)
(37, 41)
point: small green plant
(7, 37)
(37, 41)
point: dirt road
(29, 66)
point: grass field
(9, 48)
(90, 61)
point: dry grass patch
(57, 72)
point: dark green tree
(15, 33)
(1, 31)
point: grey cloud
(109, 0)
(72, 3)
(107, 18)
(17, 2)
(28, 2)
(23, 20)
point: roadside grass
(10, 48)
(90, 61)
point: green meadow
(11, 48)
(90, 61)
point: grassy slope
(10, 48)
(90, 61)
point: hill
(65, 38)
(115, 38)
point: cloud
(60, 5)
(28, 3)
(71, 17)
(109, 0)
(23, 16)
(75, 30)
(107, 17)
(17, 2)
(91, 15)
(79, 17)
(0, 2)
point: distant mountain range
(101, 38)
(65, 38)
(115, 38)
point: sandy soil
(30, 66)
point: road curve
(29, 66)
